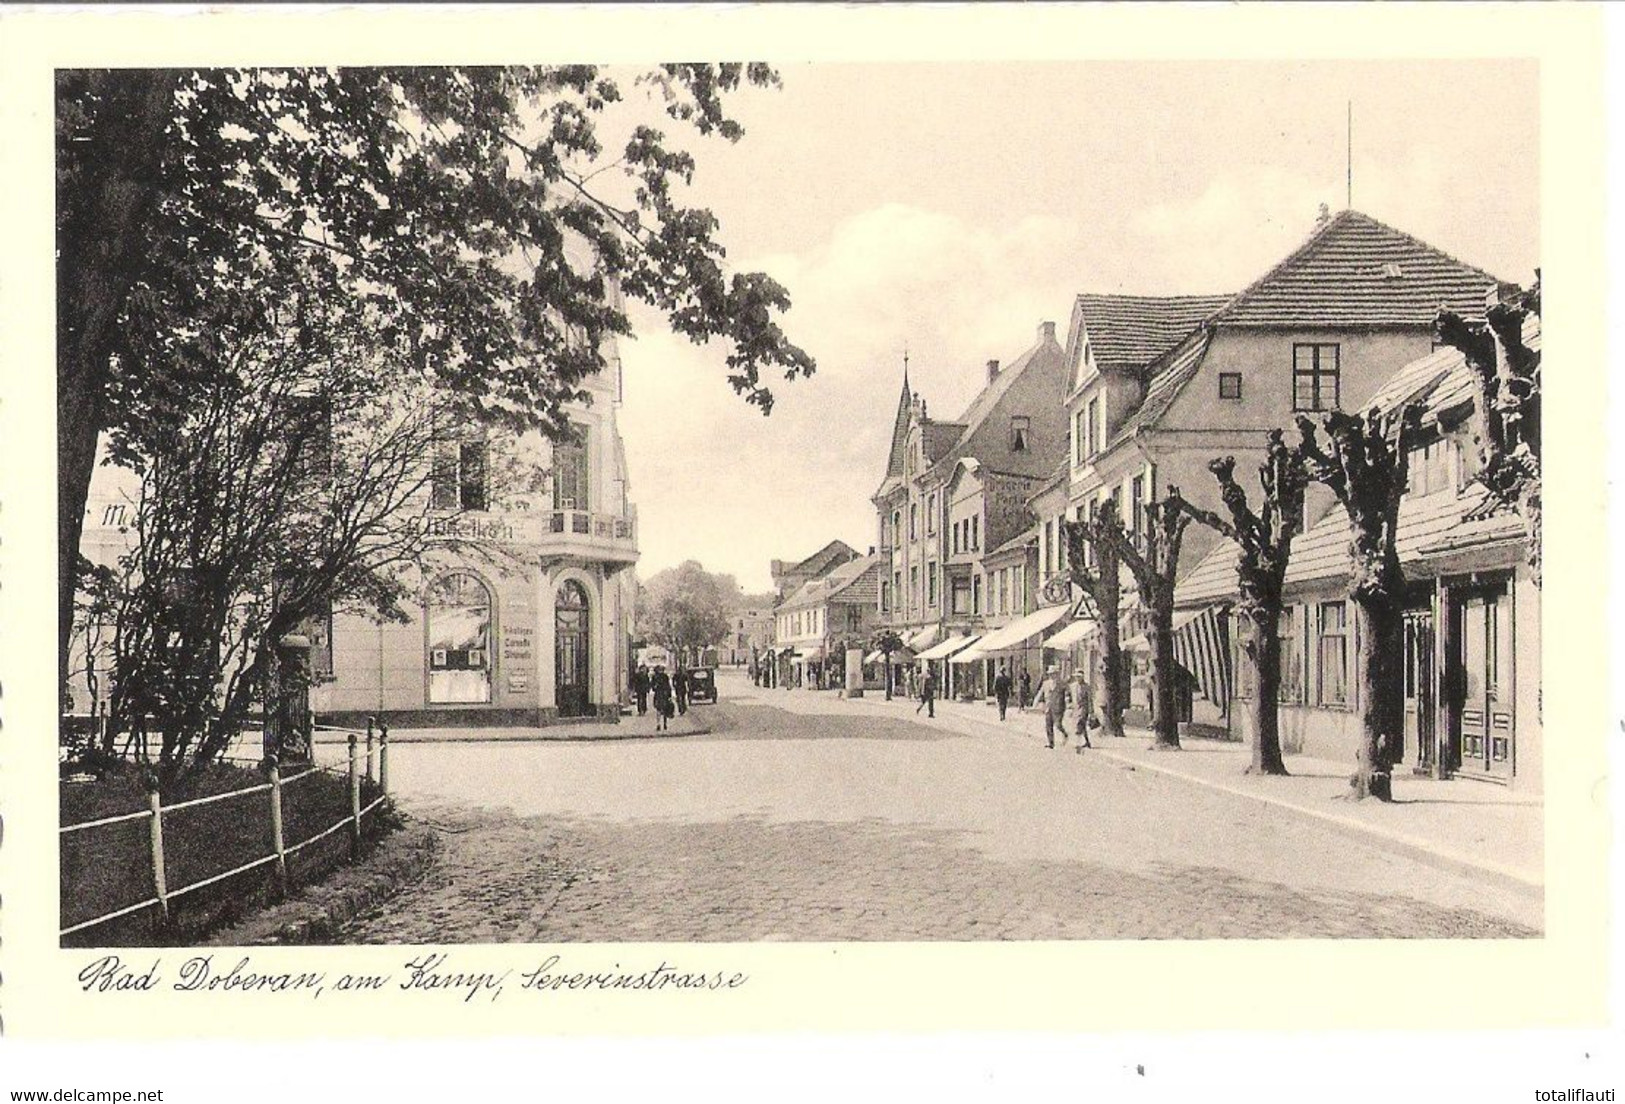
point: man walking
(1052, 694)
(679, 685)
(928, 694)
(1001, 690)
(1026, 688)
(640, 687)
(1083, 701)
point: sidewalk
(1461, 824)
(693, 723)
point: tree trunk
(101, 237)
(1265, 708)
(1111, 680)
(886, 658)
(1381, 696)
(1165, 692)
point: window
(570, 473)
(1334, 654)
(1230, 385)
(1315, 377)
(1079, 436)
(931, 583)
(931, 516)
(458, 480)
(1049, 547)
(885, 597)
(1137, 505)
(961, 600)
(458, 611)
(914, 586)
(897, 587)
(976, 595)
(896, 528)
(1020, 429)
(1431, 468)
(975, 533)
(1093, 434)
(1292, 651)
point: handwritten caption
(426, 973)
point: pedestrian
(660, 682)
(679, 685)
(640, 687)
(1026, 688)
(1052, 693)
(928, 694)
(1083, 712)
(1001, 690)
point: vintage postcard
(753, 519)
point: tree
(282, 489)
(455, 205)
(1506, 415)
(1264, 545)
(685, 608)
(1102, 586)
(886, 641)
(1152, 557)
(1367, 470)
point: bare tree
(1367, 469)
(1152, 557)
(1102, 586)
(1506, 417)
(1264, 544)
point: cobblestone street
(805, 817)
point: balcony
(572, 534)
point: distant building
(750, 630)
(816, 625)
(789, 579)
(790, 576)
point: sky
(952, 208)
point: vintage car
(702, 685)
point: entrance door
(1487, 684)
(571, 625)
(1419, 711)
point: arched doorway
(572, 626)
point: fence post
(155, 804)
(355, 800)
(276, 828)
(383, 756)
(369, 749)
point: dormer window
(1392, 271)
(1020, 433)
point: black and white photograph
(815, 502)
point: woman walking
(661, 683)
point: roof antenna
(1349, 163)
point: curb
(396, 738)
(1394, 841)
(322, 908)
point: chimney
(871, 550)
(992, 370)
(1046, 332)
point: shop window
(1332, 669)
(459, 638)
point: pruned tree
(1152, 557)
(1102, 586)
(1367, 469)
(1506, 416)
(474, 212)
(886, 641)
(1263, 542)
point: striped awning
(1014, 635)
(923, 639)
(1076, 633)
(1202, 646)
(948, 647)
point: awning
(1015, 634)
(1202, 645)
(970, 654)
(1076, 633)
(923, 639)
(948, 647)
(1181, 619)
(874, 657)
(809, 651)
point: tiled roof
(1128, 331)
(819, 562)
(983, 405)
(1168, 380)
(856, 581)
(1356, 271)
(1020, 540)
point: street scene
(811, 818)
(598, 504)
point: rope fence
(368, 757)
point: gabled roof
(1168, 378)
(1045, 355)
(854, 581)
(1025, 539)
(1126, 332)
(835, 552)
(1356, 271)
